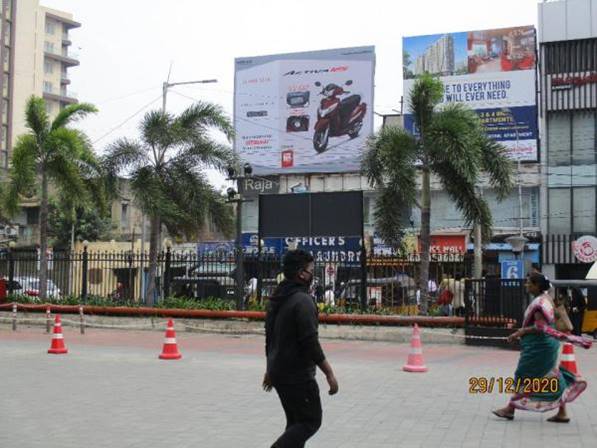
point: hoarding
(491, 71)
(307, 112)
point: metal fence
(123, 276)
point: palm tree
(165, 167)
(450, 144)
(51, 153)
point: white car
(30, 287)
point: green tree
(51, 152)
(406, 61)
(451, 144)
(84, 222)
(166, 170)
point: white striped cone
(57, 346)
(568, 360)
(170, 349)
(415, 361)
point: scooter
(337, 117)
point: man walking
(293, 351)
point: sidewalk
(112, 391)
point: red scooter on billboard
(337, 117)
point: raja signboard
(492, 71)
(304, 112)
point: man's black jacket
(291, 339)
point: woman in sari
(540, 346)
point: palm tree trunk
(425, 236)
(43, 239)
(154, 247)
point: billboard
(491, 71)
(307, 112)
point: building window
(6, 60)
(583, 138)
(559, 211)
(583, 206)
(124, 215)
(48, 87)
(32, 215)
(558, 138)
(48, 47)
(50, 27)
(7, 35)
(5, 86)
(48, 67)
(49, 107)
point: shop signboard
(255, 185)
(308, 112)
(328, 249)
(491, 71)
(512, 269)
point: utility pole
(166, 85)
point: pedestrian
(538, 360)
(578, 304)
(293, 352)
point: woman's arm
(539, 323)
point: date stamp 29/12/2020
(509, 385)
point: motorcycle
(337, 117)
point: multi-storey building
(568, 51)
(438, 59)
(37, 56)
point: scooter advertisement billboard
(307, 112)
(491, 71)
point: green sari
(541, 384)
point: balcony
(68, 58)
(64, 79)
(63, 95)
(66, 39)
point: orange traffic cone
(170, 349)
(415, 361)
(568, 360)
(57, 347)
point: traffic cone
(415, 361)
(57, 347)
(170, 349)
(568, 360)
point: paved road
(112, 391)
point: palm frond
(461, 190)
(390, 158)
(497, 165)
(156, 130)
(23, 171)
(71, 113)
(391, 215)
(201, 116)
(207, 153)
(427, 92)
(452, 137)
(122, 154)
(37, 118)
(65, 175)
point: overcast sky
(126, 46)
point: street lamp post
(235, 197)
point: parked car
(29, 286)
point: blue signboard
(513, 269)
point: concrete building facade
(36, 58)
(568, 51)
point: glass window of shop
(583, 209)
(571, 138)
(558, 138)
(559, 211)
(583, 138)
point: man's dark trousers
(302, 407)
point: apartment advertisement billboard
(307, 112)
(491, 71)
